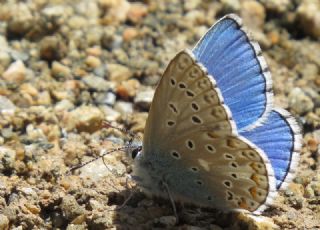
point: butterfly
(212, 136)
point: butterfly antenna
(123, 148)
(106, 124)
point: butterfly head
(135, 152)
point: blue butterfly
(213, 137)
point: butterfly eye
(136, 152)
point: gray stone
(64, 105)
(300, 102)
(119, 72)
(123, 107)
(110, 113)
(60, 71)
(143, 99)
(7, 158)
(97, 83)
(5, 59)
(6, 106)
(15, 73)
(231, 5)
(103, 98)
(309, 17)
(70, 207)
(4, 222)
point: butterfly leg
(166, 187)
(128, 198)
(130, 194)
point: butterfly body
(201, 147)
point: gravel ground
(66, 65)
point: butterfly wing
(279, 137)
(191, 142)
(241, 73)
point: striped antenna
(106, 124)
(123, 148)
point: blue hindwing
(279, 137)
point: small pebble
(5, 60)
(253, 14)
(191, 5)
(277, 6)
(29, 89)
(77, 22)
(35, 133)
(54, 11)
(28, 191)
(97, 170)
(128, 89)
(76, 227)
(93, 61)
(7, 158)
(296, 202)
(136, 12)
(111, 41)
(129, 34)
(94, 204)
(70, 207)
(15, 73)
(110, 113)
(44, 98)
(309, 17)
(119, 73)
(19, 55)
(60, 71)
(97, 83)
(33, 208)
(85, 119)
(52, 48)
(4, 222)
(6, 106)
(64, 105)
(94, 51)
(143, 99)
(115, 11)
(21, 21)
(255, 222)
(231, 5)
(299, 101)
(123, 107)
(105, 98)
